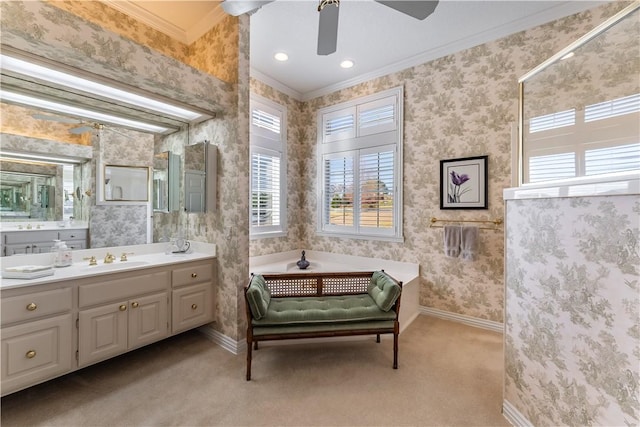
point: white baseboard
(229, 344)
(514, 416)
(461, 318)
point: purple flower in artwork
(455, 190)
(459, 179)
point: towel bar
(496, 222)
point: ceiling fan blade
(328, 30)
(59, 119)
(417, 9)
(240, 7)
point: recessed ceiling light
(281, 56)
(347, 63)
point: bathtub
(408, 273)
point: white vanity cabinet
(37, 331)
(53, 328)
(122, 313)
(193, 297)
(41, 241)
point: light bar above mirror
(37, 77)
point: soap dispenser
(61, 254)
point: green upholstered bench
(312, 305)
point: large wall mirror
(580, 110)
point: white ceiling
(378, 39)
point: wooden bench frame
(295, 285)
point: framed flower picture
(463, 183)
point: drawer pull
(194, 275)
(32, 306)
(123, 307)
(135, 304)
(30, 354)
(194, 306)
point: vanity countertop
(12, 226)
(139, 257)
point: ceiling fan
(328, 10)
(84, 126)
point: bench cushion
(327, 309)
(258, 297)
(383, 290)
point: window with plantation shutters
(602, 138)
(359, 146)
(267, 201)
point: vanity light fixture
(567, 56)
(281, 56)
(347, 63)
(41, 72)
(28, 157)
(19, 98)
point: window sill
(267, 235)
(375, 238)
(624, 183)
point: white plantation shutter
(268, 168)
(376, 189)
(360, 142)
(601, 139)
(339, 189)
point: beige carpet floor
(449, 375)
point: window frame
(261, 141)
(356, 142)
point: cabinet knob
(135, 305)
(194, 306)
(194, 275)
(123, 307)
(32, 306)
(30, 354)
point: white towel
(469, 243)
(452, 240)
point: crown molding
(548, 15)
(276, 84)
(207, 22)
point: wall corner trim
(514, 416)
(229, 344)
(461, 318)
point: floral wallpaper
(572, 341)
(113, 224)
(19, 120)
(48, 31)
(460, 105)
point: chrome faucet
(108, 259)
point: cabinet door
(148, 320)
(36, 351)
(102, 332)
(191, 306)
(17, 249)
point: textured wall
(460, 105)
(48, 31)
(572, 342)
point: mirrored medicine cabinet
(200, 169)
(166, 182)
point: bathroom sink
(116, 265)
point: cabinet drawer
(125, 288)
(195, 273)
(30, 236)
(191, 306)
(35, 352)
(72, 235)
(32, 306)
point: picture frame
(464, 183)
